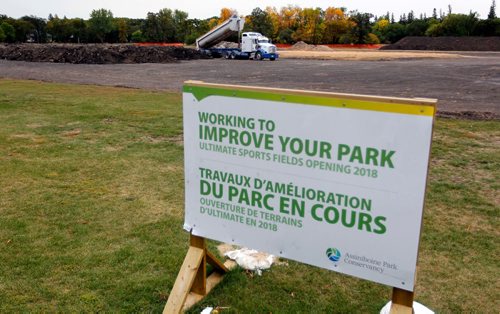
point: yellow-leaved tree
(288, 23)
(275, 17)
(290, 16)
(225, 13)
(336, 24)
(311, 26)
(381, 28)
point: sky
(208, 8)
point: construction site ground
(364, 54)
(461, 81)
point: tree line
(286, 25)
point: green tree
(79, 30)
(160, 27)
(23, 30)
(62, 30)
(101, 23)
(395, 32)
(362, 28)
(196, 28)
(151, 30)
(39, 32)
(54, 28)
(492, 14)
(260, 21)
(180, 25)
(417, 28)
(488, 27)
(435, 29)
(402, 19)
(137, 37)
(286, 36)
(2, 35)
(9, 32)
(167, 25)
(134, 25)
(121, 26)
(459, 24)
(411, 16)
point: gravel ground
(470, 83)
(365, 54)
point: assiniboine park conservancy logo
(333, 254)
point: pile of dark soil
(96, 53)
(446, 43)
(469, 115)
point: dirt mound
(300, 46)
(446, 43)
(306, 47)
(95, 53)
(468, 115)
(226, 44)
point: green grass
(91, 213)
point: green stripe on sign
(201, 92)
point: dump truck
(251, 45)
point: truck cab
(258, 46)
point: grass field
(91, 213)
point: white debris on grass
(251, 259)
(207, 310)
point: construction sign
(332, 180)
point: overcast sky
(208, 8)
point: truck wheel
(226, 55)
(232, 56)
(272, 59)
(258, 56)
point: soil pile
(306, 47)
(96, 54)
(446, 43)
(469, 115)
(227, 44)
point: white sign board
(331, 180)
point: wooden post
(200, 281)
(192, 283)
(402, 301)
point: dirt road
(470, 83)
